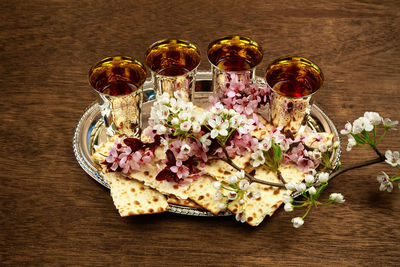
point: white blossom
(351, 142)
(175, 121)
(385, 183)
(392, 158)
(257, 158)
(389, 123)
(205, 141)
(232, 195)
(290, 186)
(232, 179)
(288, 207)
(240, 174)
(163, 99)
(161, 129)
(361, 124)
(216, 185)
(309, 179)
(301, 187)
(312, 190)
(347, 129)
(323, 177)
(287, 199)
(196, 127)
(240, 216)
(185, 149)
(185, 126)
(265, 144)
(183, 115)
(297, 222)
(337, 198)
(373, 117)
(218, 127)
(243, 184)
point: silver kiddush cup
(119, 82)
(294, 81)
(173, 64)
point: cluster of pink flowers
(127, 155)
(242, 95)
(303, 158)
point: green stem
(374, 135)
(383, 135)
(308, 210)
(326, 203)
(395, 179)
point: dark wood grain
(53, 213)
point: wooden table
(53, 213)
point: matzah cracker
(101, 151)
(259, 132)
(270, 197)
(147, 175)
(203, 193)
(133, 198)
(221, 170)
(183, 202)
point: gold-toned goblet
(118, 81)
(294, 81)
(173, 64)
(233, 55)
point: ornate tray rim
(93, 172)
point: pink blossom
(113, 158)
(241, 144)
(305, 164)
(242, 95)
(149, 132)
(147, 157)
(130, 162)
(181, 170)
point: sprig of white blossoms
(358, 133)
(237, 188)
(310, 194)
(363, 132)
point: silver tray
(90, 131)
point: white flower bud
(297, 222)
(287, 199)
(288, 207)
(232, 179)
(309, 179)
(312, 190)
(323, 177)
(290, 186)
(337, 198)
(301, 187)
(216, 185)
